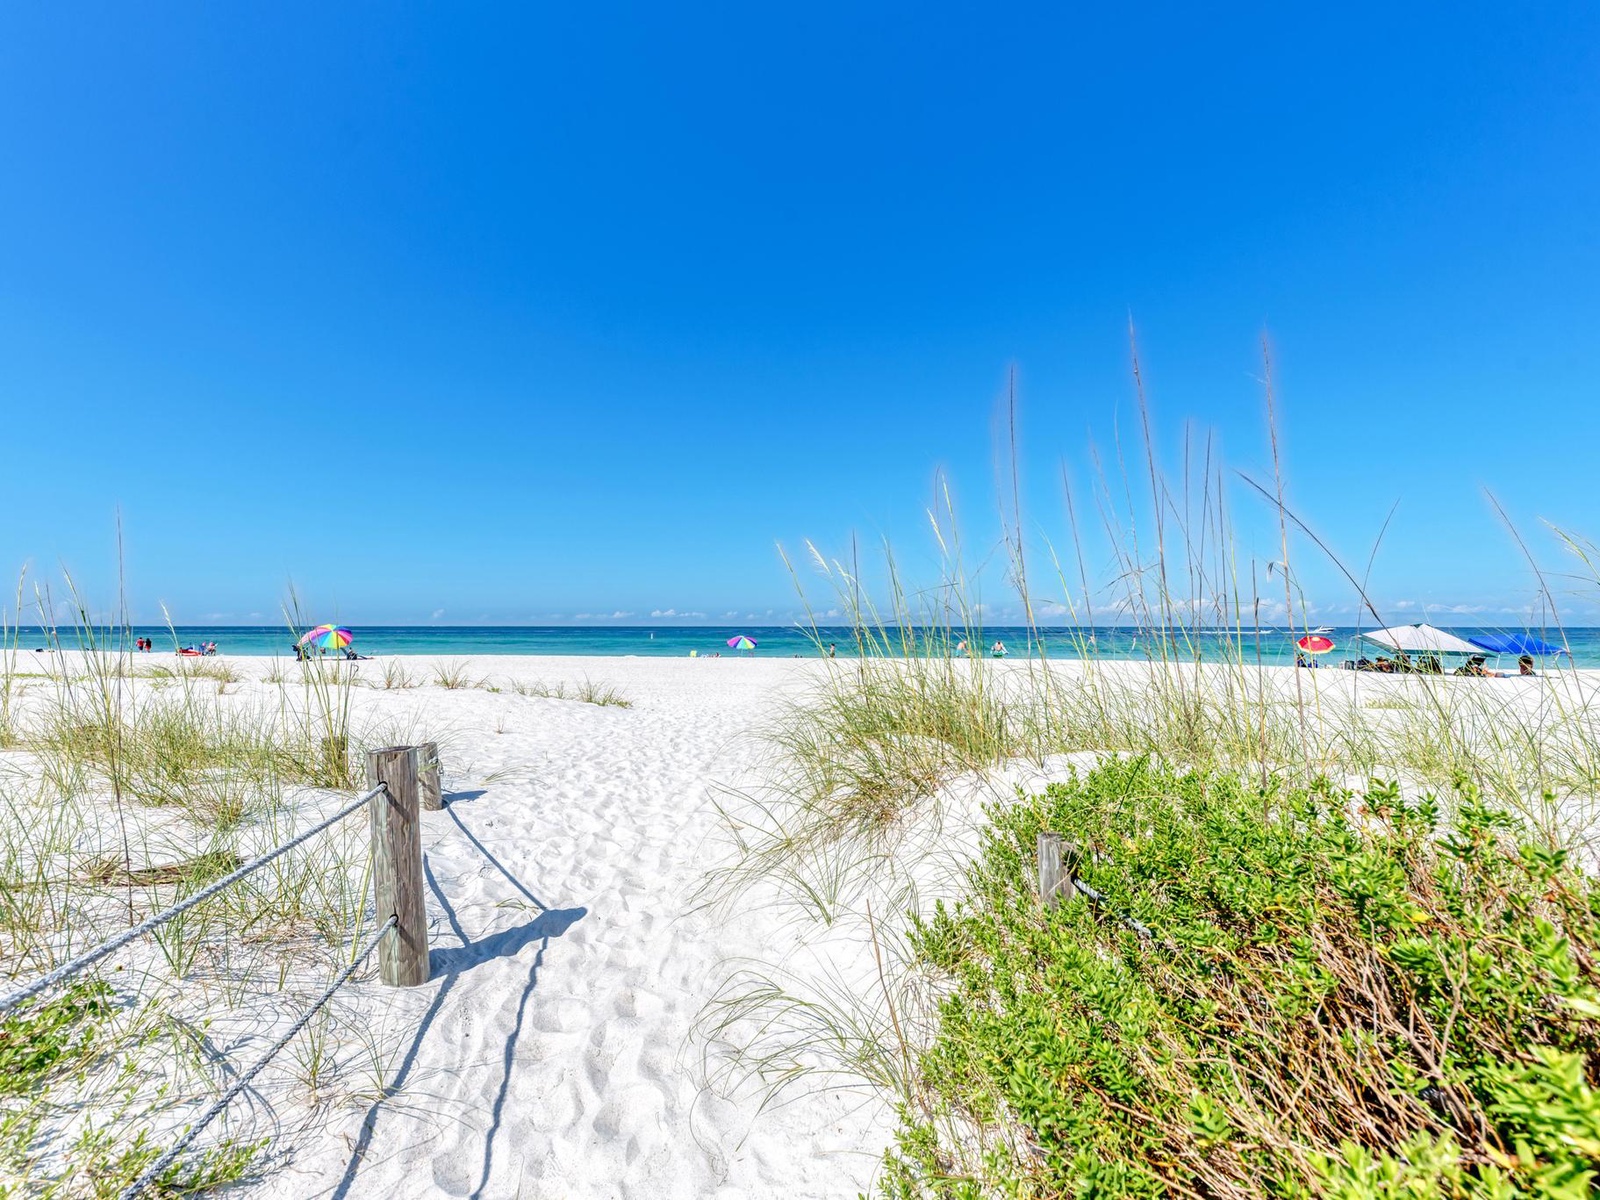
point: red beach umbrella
(1315, 643)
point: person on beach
(833, 650)
(1525, 665)
(1473, 667)
(961, 648)
(998, 649)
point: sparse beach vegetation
(127, 787)
(586, 691)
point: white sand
(551, 1054)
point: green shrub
(1340, 996)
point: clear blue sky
(496, 312)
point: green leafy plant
(1334, 995)
(39, 1040)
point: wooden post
(1050, 869)
(1071, 854)
(1058, 867)
(397, 864)
(429, 781)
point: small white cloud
(664, 612)
(437, 613)
(1403, 605)
(619, 616)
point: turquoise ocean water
(1275, 646)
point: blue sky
(498, 312)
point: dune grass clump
(454, 676)
(395, 675)
(877, 735)
(208, 668)
(1338, 995)
(604, 695)
(162, 753)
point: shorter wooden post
(397, 864)
(1071, 855)
(1050, 869)
(1058, 867)
(429, 777)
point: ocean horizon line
(1272, 644)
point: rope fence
(404, 780)
(157, 1169)
(112, 944)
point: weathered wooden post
(1050, 869)
(397, 864)
(1058, 867)
(429, 777)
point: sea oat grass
(455, 675)
(605, 695)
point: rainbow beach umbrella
(740, 642)
(328, 637)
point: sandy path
(551, 1055)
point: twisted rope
(156, 1169)
(1089, 893)
(87, 959)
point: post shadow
(450, 964)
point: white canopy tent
(1421, 639)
